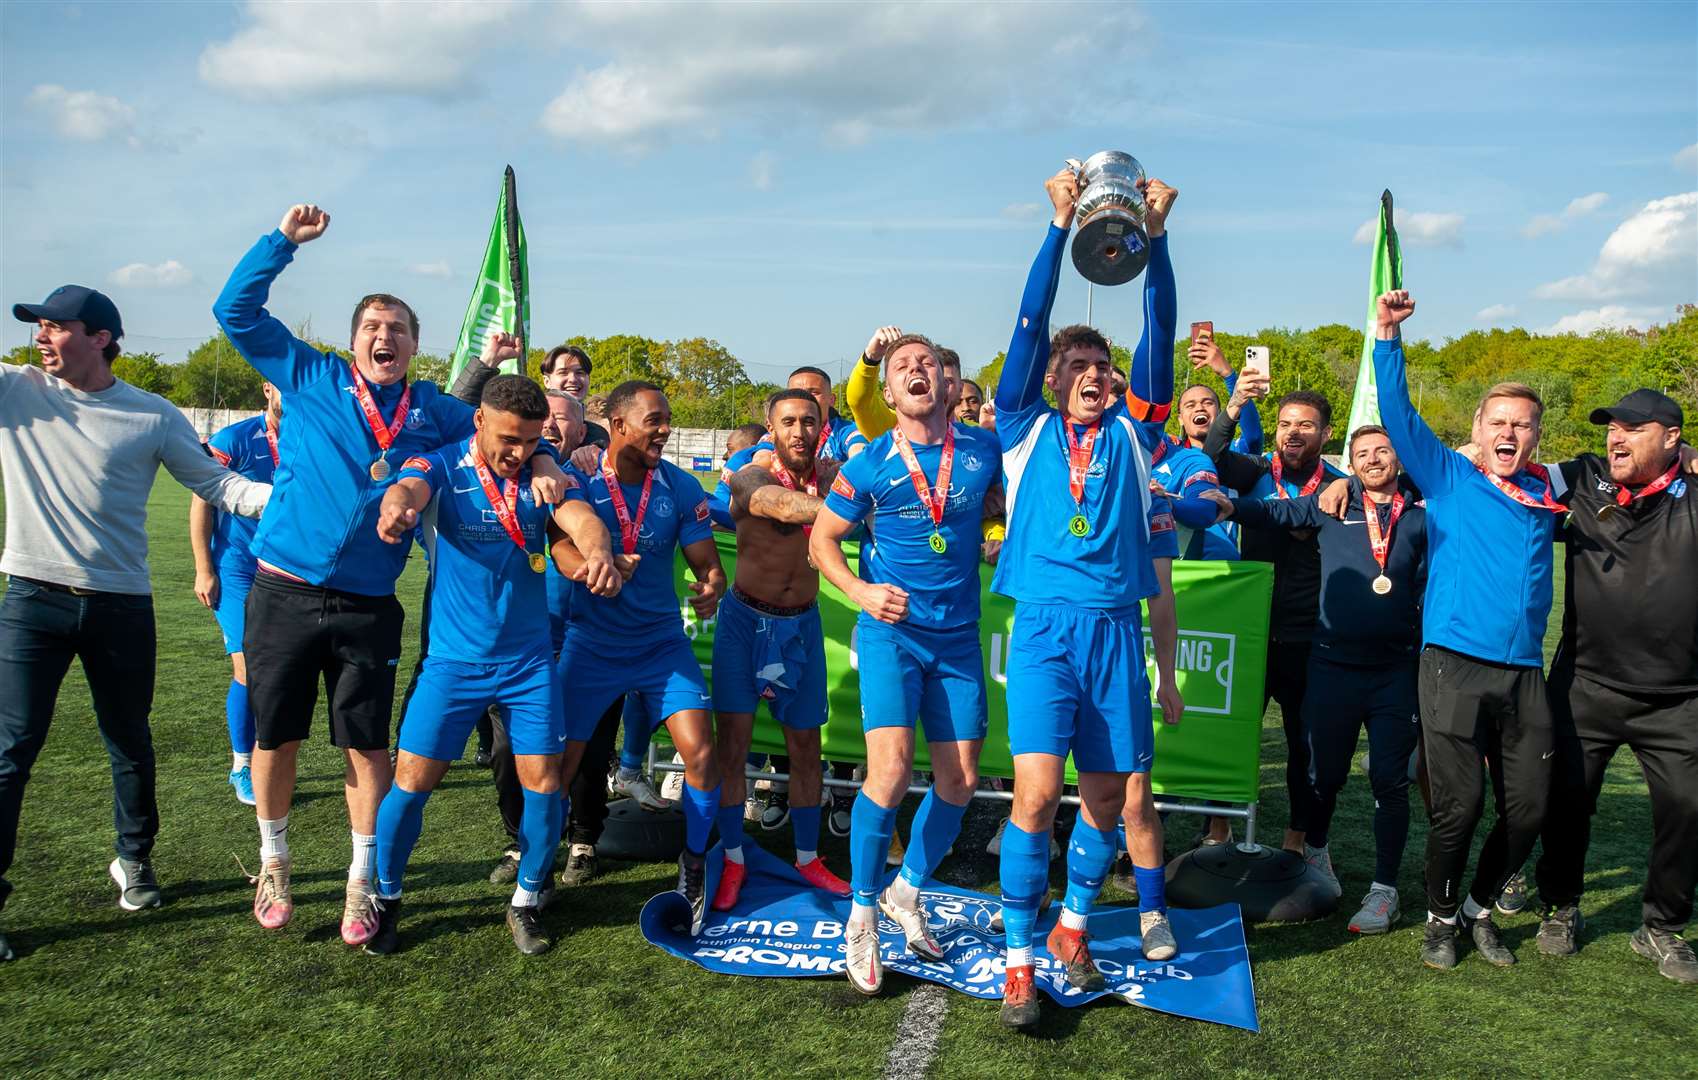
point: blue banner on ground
(782, 928)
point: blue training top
(942, 588)
(243, 449)
(487, 606)
(1489, 557)
(1188, 472)
(646, 609)
(1109, 567)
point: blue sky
(784, 179)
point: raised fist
(1393, 308)
(499, 347)
(880, 341)
(303, 222)
(1158, 202)
(1063, 189)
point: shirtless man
(768, 644)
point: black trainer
(1438, 944)
(1673, 953)
(137, 887)
(1513, 899)
(1559, 931)
(1488, 942)
(581, 867)
(777, 810)
(692, 885)
(529, 934)
(506, 871)
(388, 936)
(837, 822)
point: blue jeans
(41, 629)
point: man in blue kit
(1077, 561)
(489, 639)
(323, 605)
(635, 641)
(922, 485)
(224, 568)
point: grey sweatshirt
(78, 468)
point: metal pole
(1090, 294)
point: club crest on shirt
(702, 511)
(663, 506)
(972, 462)
(415, 418)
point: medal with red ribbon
(629, 528)
(271, 441)
(505, 502)
(812, 485)
(933, 499)
(1078, 464)
(1625, 498)
(1378, 543)
(1310, 486)
(385, 435)
(1537, 472)
(825, 436)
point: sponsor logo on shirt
(843, 487)
(223, 458)
(421, 464)
(701, 511)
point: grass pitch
(196, 988)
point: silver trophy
(1110, 245)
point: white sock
(365, 858)
(862, 914)
(734, 855)
(903, 894)
(523, 897)
(1072, 920)
(238, 762)
(1448, 919)
(1311, 852)
(803, 858)
(274, 839)
(629, 774)
(1471, 910)
(1380, 885)
(1020, 957)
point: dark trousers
(41, 629)
(589, 787)
(1481, 717)
(1592, 721)
(1287, 680)
(1340, 701)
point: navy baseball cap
(1642, 406)
(75, 303)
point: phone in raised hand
(1256, 359)
(1198, 329)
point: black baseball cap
(1643, 406)
(75, 303)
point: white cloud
(1542, 224)
(1418, 229)
(437, 269)
(292, 51)
(1025, 211)
(1656, 247)
(85, 115)
(1687, 159)
(1495, 313)
(166, 275)
(1610, 315)
(846, 73)
(761, 170)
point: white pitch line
(917, 1034)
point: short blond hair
(1512, 390)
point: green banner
(500, 292)
(1213, 753)
(1384, 274)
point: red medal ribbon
(1079, 457)
(271, 441)
(629, 529)
(1276, 467)
(1623, 498)
(825, 434)
(1160, 451)
(934, 499)
(504, 502)
(385, 436)
(1537, 472)
(1380, 544)
(812, 486)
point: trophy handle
(1077, 166)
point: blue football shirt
(243, 449)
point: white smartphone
(1256, 359)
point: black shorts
(295, 634)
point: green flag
(502, 290)
(1384, 274)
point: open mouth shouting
(1091, 393)
(1504, 451)
(918, 386)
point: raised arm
(468, 385)
(872, 416)
(1237, 471)
(1149, 386)
(1022, 383)
(283, 359)
(187, 462)
(1429, 462)
(1250, 436)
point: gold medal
(538, 563)
(1608, 511)
(939, 544)
(1078, 526)
(379, 470)
(1382, 584)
